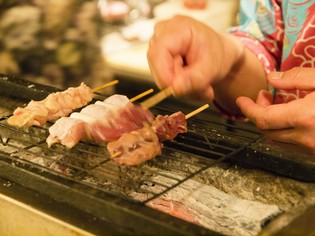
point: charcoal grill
(100, 196)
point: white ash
(211, 208)
(36, 156)
(255, 185)
(8, 146)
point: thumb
(209, 94)
(191, 80)
(264, 98)
(245, 104)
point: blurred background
(63, 43)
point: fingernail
(275, 75)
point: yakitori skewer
(54, 106)
(101, 121)
(144, 144)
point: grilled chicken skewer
(54, 106)
(100, 122)
(104, 121)
(144, 144)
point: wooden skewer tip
(105, 85)
(115, 155)
(141, 95)
(195, 112)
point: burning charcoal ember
(211, 208)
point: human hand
(195, 4)
(190, 56)
(292, 122)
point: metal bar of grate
(90, 163)
(86, 173)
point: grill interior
(85, 177)
(201, 147)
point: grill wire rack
(91, 165)
(87, 173)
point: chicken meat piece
(100, 122)
(135, 147)
(54, 106)
(125, 120)
(144, 144)
(67, 131)
(168, 127)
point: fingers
(302, 137)
(165, 51)
(292, 122)
(180, 56)
(161, 64)
(297, 78)
(195, 4)
(266, 117)
(264, 98)
(191, 79)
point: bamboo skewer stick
(141, 95)
(116, 82)
(195, 112)
(105, 85)
(155, 99)
(117, 154)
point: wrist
(234, 54)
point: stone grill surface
(206, 181)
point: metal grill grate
(90, 164)
(86, 178)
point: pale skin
(292, 122)
(198, 62)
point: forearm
(246, 78)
